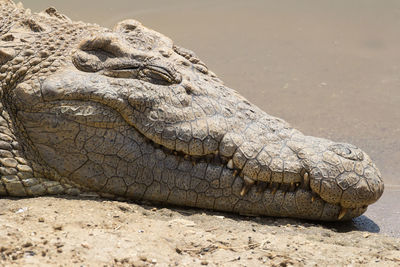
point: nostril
(347, 151)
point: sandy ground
(330, 68)
(95, 232)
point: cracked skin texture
(126, 113)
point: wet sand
(330, 68)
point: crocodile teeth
(274, 190)
(235, 172)
(261, 187)
(230, 164)
(342, 212)
(306, 180)
(248, 182)
(292, 187)
(312, 199)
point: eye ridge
(109, 55)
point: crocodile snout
(346, 176)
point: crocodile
(129, 115)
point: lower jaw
(297, 204)
(300, 204)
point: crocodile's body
(127, 113)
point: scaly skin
(126, 113)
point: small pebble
(27, 244)
(366, 235)
(58, 227)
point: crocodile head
(128, 113)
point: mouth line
(260, 187)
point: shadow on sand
(361, 223)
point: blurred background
(330, 68)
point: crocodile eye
(347, 151)
(160, 74)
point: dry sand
(93, 232)
(330, 68)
